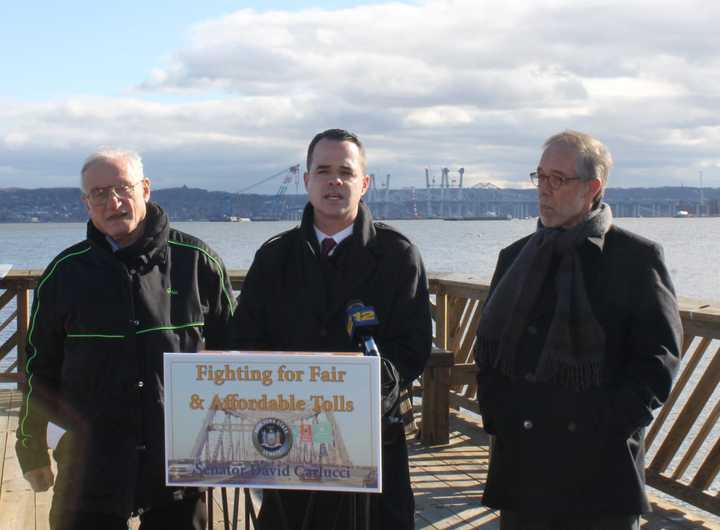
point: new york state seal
(272, 438)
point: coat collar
(151, 247)
(356, 263)
(363, 228)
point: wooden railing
(15, 298)
(683, 442)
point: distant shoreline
(183, 204)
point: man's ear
(366, 183)
(594, 187)
(146, 189)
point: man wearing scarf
(104, 311)
(579, 341)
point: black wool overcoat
(557, 451)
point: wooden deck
(448, 482)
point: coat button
(572, 427)
(140, 384)
(527, 425)
(135, 323)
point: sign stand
(251, 517)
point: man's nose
(113, 199)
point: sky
(222, 94)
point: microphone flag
(360, 317)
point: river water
(692, 246)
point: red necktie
(326, 246)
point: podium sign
(277, 420)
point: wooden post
(441, 322)
(23, 324)
(436, 399)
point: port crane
(278, 204)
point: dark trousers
(523, 521)
(187, 514)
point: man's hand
(40, 479)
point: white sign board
(273, 420)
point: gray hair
(593, 158)
(131, 159)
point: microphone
(361, 322)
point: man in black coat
(578, 343)
(104, 312)
(294, 299)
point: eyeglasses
(100, 196)
(555, 181)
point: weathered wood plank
(435, 410)
(6, 297)
(429, 487)
(465, 353)
(8, 345)
(679, 491)
(17, 501)
(8, 320)
(677, 389)
(708, 470)
(21, 279)
(23, 323)
(464, 284)
(460, 311)
(441, 323)
(687, 339)
(7, 431)
(456, 307)
(700, 438)
(452, 488)
(701, 318)
(690, 412)
(462, 329)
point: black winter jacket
(293, 300)
(99, 326)
(561, 452)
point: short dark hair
(336, 135)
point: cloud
(436, 83)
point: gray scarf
(575, 345)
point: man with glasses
(104, 312)
(578, 342)
(294, 299)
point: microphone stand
(370, 348)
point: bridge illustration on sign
(259, 446)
